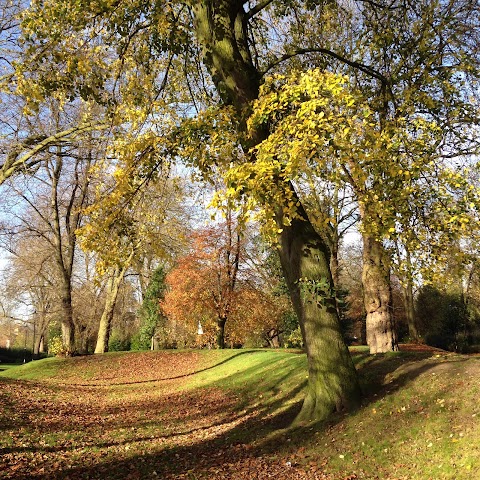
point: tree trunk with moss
(377, 295)
(332, 382)
(332, 378)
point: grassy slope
(420, 418)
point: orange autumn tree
(212, 286)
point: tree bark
(377, 295)
(221, 28)
(409, 303)
(39, 337)
(410, 312)
(221, 332)
(332, 379)
(65, 239)
(68, 327)
(64, 260)
(105, 325)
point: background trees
(217, 289)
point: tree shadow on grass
(173, 462)
(384, 374)
(262, 432)
(164, 379)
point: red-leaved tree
(212, 286)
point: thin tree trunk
(105, 325)
(68, 327)
(221, 332)
(64, 264)
(40, 334)
(409, 302)
(410, 312)
(377, 295)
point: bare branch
(14, 163)
(258, 8)
(302, 51)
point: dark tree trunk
(377, 294)
(273, 338)
(410, 312)
(68, 327)
(332, 385)
(40, 328)
(409, 302)
(221, 332)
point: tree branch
(302, 51)
(13, 162)
(258, 8)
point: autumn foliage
(213, 286)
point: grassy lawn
(227, 415)
(6, 366)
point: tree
(426, 62)
(131, 218)
(32, 279)
(209, 275)
(236, 75)
(214, 286)
(55, 214)
(152, 320)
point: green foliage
(444, 319)
(294, 339)
(150, 314)
(117, 343)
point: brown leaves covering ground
(134, 421)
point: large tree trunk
(105, 325)
(332, 385)
(377, 295)
(332, 379)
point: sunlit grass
(419, 419)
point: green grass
(420, 418)
(35, 370)
(6, 366)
